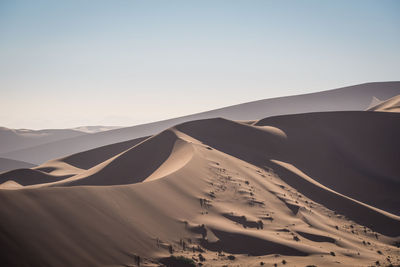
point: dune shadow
(316, 238)
(237, 243)
(349, 208)
(30, 177)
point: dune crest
(181, 154)
(136, 164)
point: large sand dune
(307, 189)
(358, 97)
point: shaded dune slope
(377, 220)
(133, 165)
(29, 177)
(354, 153)
(88, 159)
(59, 169)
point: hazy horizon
(65, 65)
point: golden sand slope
(304, 189)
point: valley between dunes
(294, 190)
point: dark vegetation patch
(244, 222)
(178, 261)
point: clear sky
(71, 63)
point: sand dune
(11, 164)
(68, 166)
(29, 177)
(374, 101)
(306, 189)
(356, 97)
(351, 145)
(149, 155)
(95, 129)
(88, 159)
(16, 139)
(390, 105)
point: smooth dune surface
(357, 97)
(306, 189)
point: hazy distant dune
(15, 139)
(357, 97)
(95, 129)
(11, 164)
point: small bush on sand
(201, 257)
(178, 261)
(231, 257)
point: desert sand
(313, 189)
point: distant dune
(95, 129)
(15, 139)
(10, 164)
(358, 97)
(296, 190)
(390, 105)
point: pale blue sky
(71, 63)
